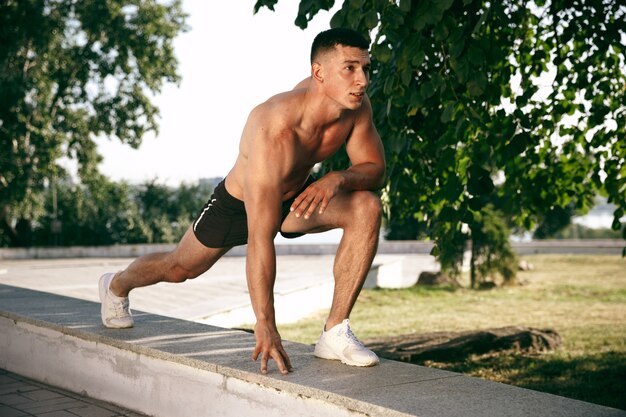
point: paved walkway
(21, 396)
(304, 285)
(219, 296)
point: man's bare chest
(322, 144)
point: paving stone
(55, 404)
(89, 410)
(60, 413)
(16, 387)
(6, 379)
(13, 399)
(11, 412)
(46, 401)
(41, 395)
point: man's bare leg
(353, 261)
(358, 213)
(190, 259)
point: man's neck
(320, 110)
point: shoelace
(121, 309)
(350, 336)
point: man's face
(345, 73)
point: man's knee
(178, 274)
(367, 206)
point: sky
(230, 60)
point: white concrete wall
(142, 382)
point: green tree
(457, 90)
(70, 71)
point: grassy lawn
(582, 297)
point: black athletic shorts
(222, 222)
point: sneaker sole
(325, 354)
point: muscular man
(270, 190)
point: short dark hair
(330, 38)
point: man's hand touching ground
(269, 345)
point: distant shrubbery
(104, 213)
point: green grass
(582, 297)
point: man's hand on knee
(317, 196)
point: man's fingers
(287, 360)
(282, 361)
(280, 357)
(322, 206)
(308, 205)
(264, 364)
(297, 202)
(302, 205)
(312, 206)
(255, 354)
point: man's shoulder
(280, 109)
(286, 99)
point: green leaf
(518, 144)
(476, 55)
(264, 3)
(339, 19)
(355, 5)
(443, 5)
(448, 214)
(617, 224)
(460, 67)
(453, 188)
(371, 20)
(474, 89)
(381, 52)
(418, 58)
(447, 113)
(427, 89)
(475, 203)
(479, 181)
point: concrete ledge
(171, 367)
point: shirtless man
(270, 190)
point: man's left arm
(366, 153)
(366, 172)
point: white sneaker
(115, 311)
(339, 343)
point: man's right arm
(263, 198)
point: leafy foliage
(514, 105)
(70, 71)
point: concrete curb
(166, 366)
